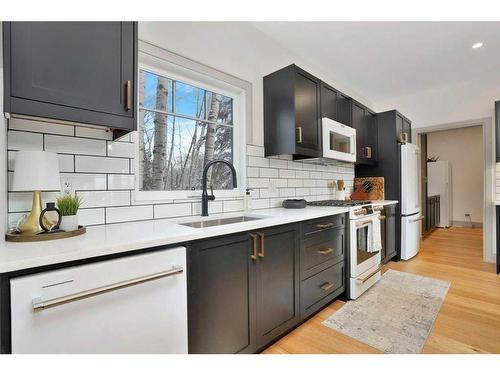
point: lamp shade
(36, 171)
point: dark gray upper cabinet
(75, 71)
(365, 123)
(329, 102)
(292, 123)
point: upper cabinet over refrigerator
(74, 71)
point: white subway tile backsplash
(19, 140)
(258, 204)
(252, 172)
(101, 171)
(172, 210)
(268, 172)
(122, 149)
(258, 182)
(253, 150)
(91, 216)
(278, 163)
(254, 161)
(22, 201)
(73, 145)
(46, 127)
(286, 173)
(82, 181)
(121, 181)
(214, 207)
(97, 133)
(104, 198)
(231, 206)
(131, 213)
(101, 164)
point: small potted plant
(68, 207)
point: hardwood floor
(468, 322)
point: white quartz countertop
(119, 238)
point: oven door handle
(364, 223)
(363, 279)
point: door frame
(489, 220)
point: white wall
(463, 148)
(238, 49)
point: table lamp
(35, 171)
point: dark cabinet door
(407, 128)
(277, 283)
(390, 232)
(328, 102)
(497, 131)
(344, 115)
(358, 123)
(383, 230)
(221, 300)
(76, 71)
(307, 111)
(371, 134)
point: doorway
(457, 176)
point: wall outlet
(67, 188)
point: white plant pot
(69, 223)
(340, 195)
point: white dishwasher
(135, 304)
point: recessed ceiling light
(477, 45)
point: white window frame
(168, 69)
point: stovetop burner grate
(338, 203)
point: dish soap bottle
(247, 201)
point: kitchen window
(185, 121)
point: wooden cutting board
(368, 188)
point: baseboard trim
(466, 224)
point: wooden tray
(44, 236)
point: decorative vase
(69, 223)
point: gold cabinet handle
(326, 251)
(254, 246)
(299, 134)
(128, 95)
(368, 152)
(261, 252)
(382, 217)
(324, 226)
(326, 286)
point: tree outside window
(181, 128)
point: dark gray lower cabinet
(243, 290)
(221, 299)
(389, 250)
(277, 283)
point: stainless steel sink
(223, 221)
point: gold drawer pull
(261, 252)
(128, 95)
(324, 226)
(254, 247)
(326, 286)
(326, 251)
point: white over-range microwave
(339, 141)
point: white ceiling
(383, 60)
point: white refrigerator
(439, 183)
(410, 207)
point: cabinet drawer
(321, 285)
(325, 247)
(322, 224)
